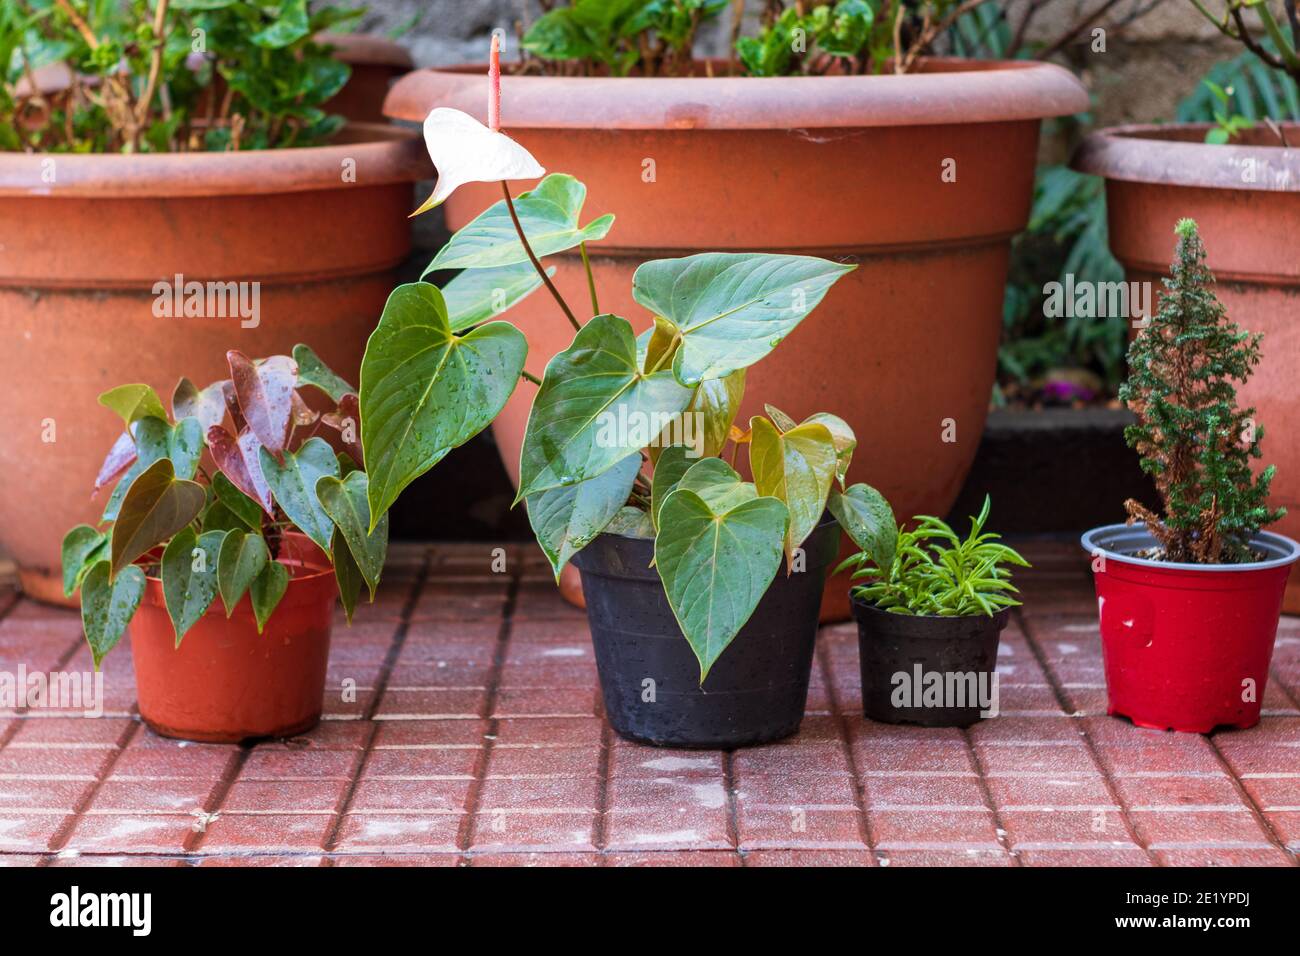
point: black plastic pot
(898, 652)
(757, 689)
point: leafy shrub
(929, 570)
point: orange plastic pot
(318, 233)
(1246, 200)
(227, 683)
(920, 179)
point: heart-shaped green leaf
(718, 484)
(107, 606)
(594, 408)
(671, 464)
(240, 560)
(157, 506)
(312, 371)
(134, 402)
(151, 439)
(798, 468)
(843, 437)
(478, 295)
(347, 575)
(346, 502)
(266, 591)
(631, 522)
(207, 405)
(264, 391)
(83, 547)
(549, 217)
(248, 511)
(189, 577)
(732, 309)
(425, 391)
(780, 419)
(293, 485)
(566, 520)
(867, 518)
(716, 566)
(185, 447)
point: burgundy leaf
(120, 457)
(265, 394)
(208, 405)
(346, 420)
(232, 457)
(303, 414)
(232, 404)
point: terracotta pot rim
(360, 49)
(1171, 154)
(383, 155)
(946, 91)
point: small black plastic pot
(757, 689)
(898, 654)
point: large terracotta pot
(375, 62)
(1246, 200)
(226, 682)
(850, 168)
(82, 254)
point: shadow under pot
(755, 692)
(929, 671)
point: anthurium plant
(628, 430)
(927, 570)
(203, 497)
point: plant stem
(591, 282)
(514, 218)
(528, 377)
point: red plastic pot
(1186, 646)
(227, 683)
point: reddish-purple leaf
(303, 414)
(120, 457)
(233, 458)
(207, 405)
(232, 405)
(346, 420)
(265, 394)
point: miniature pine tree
(1194, 440)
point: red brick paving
(463, 727)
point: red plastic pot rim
(1119, 542)
(1176, 154)
(942, 92)
(382, 155)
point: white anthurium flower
(466, 151)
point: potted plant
(930, 610)
(147, 225)
(1189, 599)
(226, 565)
(862, 151)
(620, 463)
(1241, 183)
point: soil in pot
(711, 164)
(1186, 646)
(757, 689)
(929, 671)
(227, 683)
(1245, 198)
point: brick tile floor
(463, 726)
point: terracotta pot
(1156, 175)
(226, 682)
(844, 167)
(375, 62)
(1186, 646)
(82, 255)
